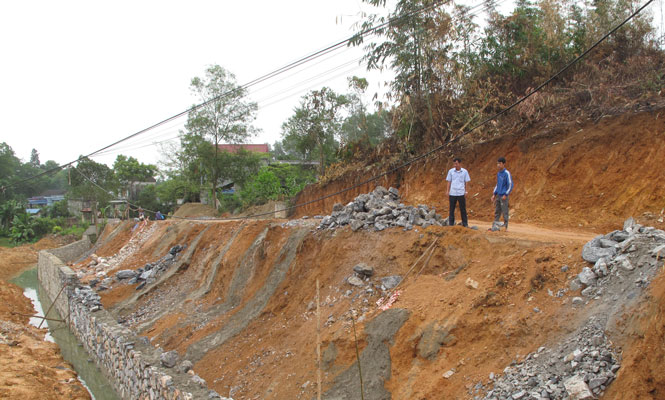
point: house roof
(53, 192)
(255, 148)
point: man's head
(501, 163)
(457, 163)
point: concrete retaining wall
(131, 363)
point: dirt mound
(189, 210)
(30, 368)
(15, 260)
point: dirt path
(536, 233)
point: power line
(455, 139)
(438, 148)
(241, 88)
(469, 12)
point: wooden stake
(318, 344)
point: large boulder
(125, 274)
(363, 269)
(169, 359)
(593, 250)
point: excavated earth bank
(476, 309)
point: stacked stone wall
(130, 363)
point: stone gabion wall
(132, 365)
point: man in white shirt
(458, 179)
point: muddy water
(91, 377)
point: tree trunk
(215, 176)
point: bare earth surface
(30, 368)
(239, 299)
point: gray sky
(79, 75)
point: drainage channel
(72, 351)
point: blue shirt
(504, 183)
(458, 180)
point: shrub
(43, 226)
(229, 203)
(23, 228)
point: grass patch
(7, 242)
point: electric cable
(455, 139)
(241, 88)
(449, 141)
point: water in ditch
(89, 374)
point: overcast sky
(76, 76)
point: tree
(8, 210)
(224, 116)
(34, 158)
(314, 128)
(129, 169)
(359, 126)
(93, 182)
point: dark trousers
(462, 209)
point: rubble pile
(99, 267)
(627, 256)
(623, 263)
(579, 368)
(379, 210)
(148, 273)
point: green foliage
(23, 228)
(59, 209)
(229, 202)
(75, 230)
(8, 210)
(128, 169)
(314, 129)
(275, 182)
(43, 226)
(148, 199)
(92, 181)
(14, 174)
(261, 188)
(176, 188)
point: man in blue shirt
(504, 185)
(457, 178)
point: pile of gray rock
(148, 273)
(623, 258)
(379, 210)
(623, 263)
(579, 368)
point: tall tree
(314, 127)
(226, 115)
(93, 182)
(34, 158)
